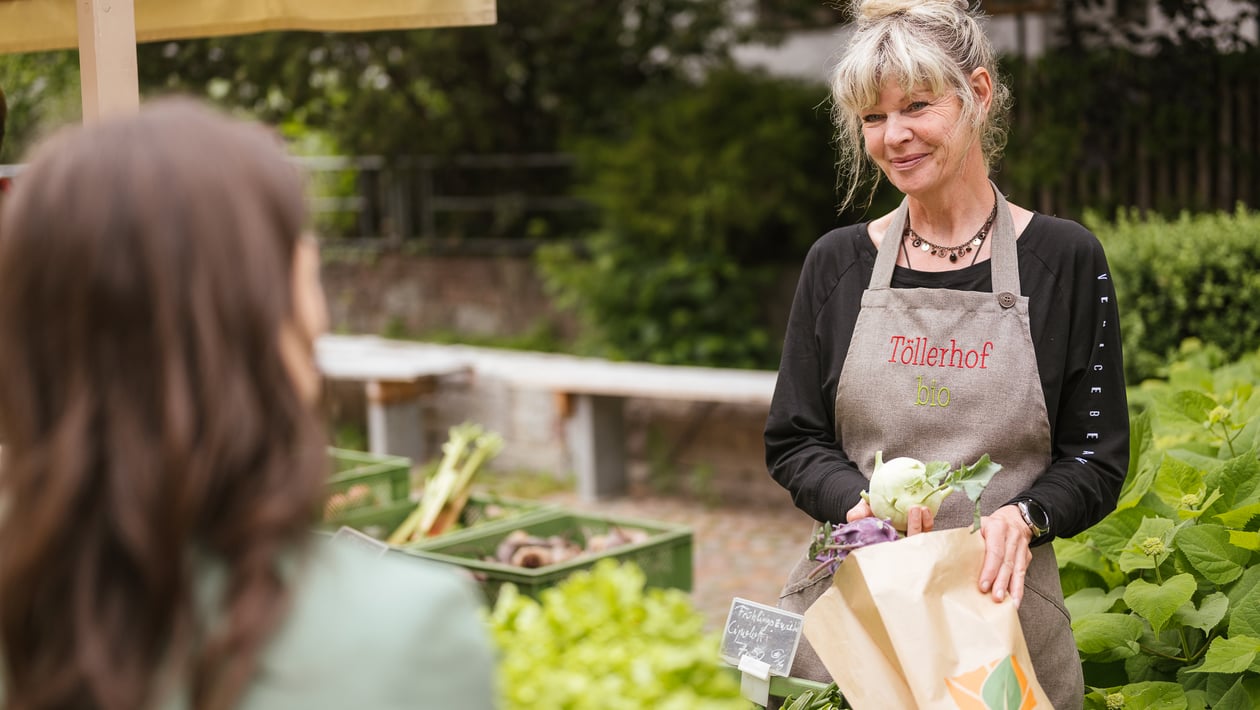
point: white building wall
(810, 54)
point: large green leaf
(1107, 637)
(1244, 620)
(1208, 549)
(1149, 546)
(1218, 685)
(1158, 602)
(1194, 681)
(1144, 667)
(1245, 585)
(1243, 695)
(1178, 484)
(1092, 601)
(1239, 517)
(1245, 540)
(1111, 535)
(1155, 696)
(1237, 480)
(1208, 614)
(1141, 473)
(1146, 695)
(1229, 655)
(1190, 404)
(1200, 461)
(1072, 552)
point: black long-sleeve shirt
(1075, 333)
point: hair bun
(870, 10)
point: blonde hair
(931, 43)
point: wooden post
(107, 58)
(396, 419)
(1225, 154)
(596, 437)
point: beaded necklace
(954, 252)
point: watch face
(1036, 516)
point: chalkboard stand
(754, 681)
(761, 641)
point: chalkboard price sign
(763, 632)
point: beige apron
(940, 374)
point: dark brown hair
(151, 431)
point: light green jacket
(376, 633)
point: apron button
(1006, 299)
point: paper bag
(904, 625)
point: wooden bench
(593, 393)
(395, 377)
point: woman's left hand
(1006, 553)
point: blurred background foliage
(703, 183)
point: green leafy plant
(706, 189)
(1197, 276)
(1165, 592)
(600, 641)
(828, 698)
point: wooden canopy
(106, 31)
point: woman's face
(310, 315)
(918, 139)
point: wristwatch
(1035, 516)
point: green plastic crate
(377, 480)
(480, 512)
(664, 557)
(785, 686)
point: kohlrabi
(833, 543)
(903, 482)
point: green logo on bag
(1001, 685)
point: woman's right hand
(918, 517)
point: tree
(42, 92)
(549, 70)
(1176, 26)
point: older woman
(886, 313)
(163, 457)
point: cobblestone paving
(738, 550)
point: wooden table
(396, 377)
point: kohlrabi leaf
(972, 479)
(936, 472)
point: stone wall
(477, 296)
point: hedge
(1194, 277)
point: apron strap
(1004, 260)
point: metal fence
(436, 198)
(1154, 160)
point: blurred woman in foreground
(163, 457)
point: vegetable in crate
(356, 496)
(828, 698)
(904, 482)
(447, 491)
(521, 549)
